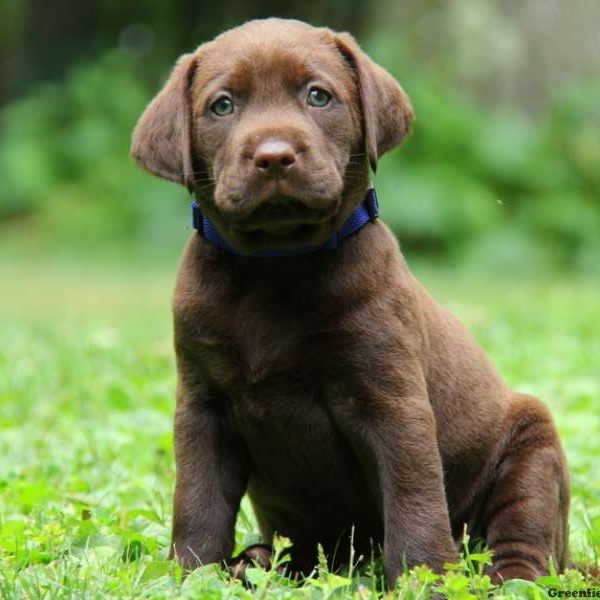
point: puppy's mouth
(284, 216)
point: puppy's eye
(222, 107)
(318, 97)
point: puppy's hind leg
(526, 511)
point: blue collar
(365, 212)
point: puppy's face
(272, 125)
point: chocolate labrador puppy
(315, 372)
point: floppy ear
(387, 112)
(162, 138)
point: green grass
(86, 401)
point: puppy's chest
(280, 378)
(276, 363)
(258, 352)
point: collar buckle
(372, 204)
(196, 216)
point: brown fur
(331, 387)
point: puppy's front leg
(212, 474)
(394, 437)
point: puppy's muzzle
(279, 196)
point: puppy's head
(273, 126)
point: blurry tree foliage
(39, 39)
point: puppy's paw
(501, 574)
(255, 555)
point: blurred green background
(502, 171)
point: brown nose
(274, 158)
